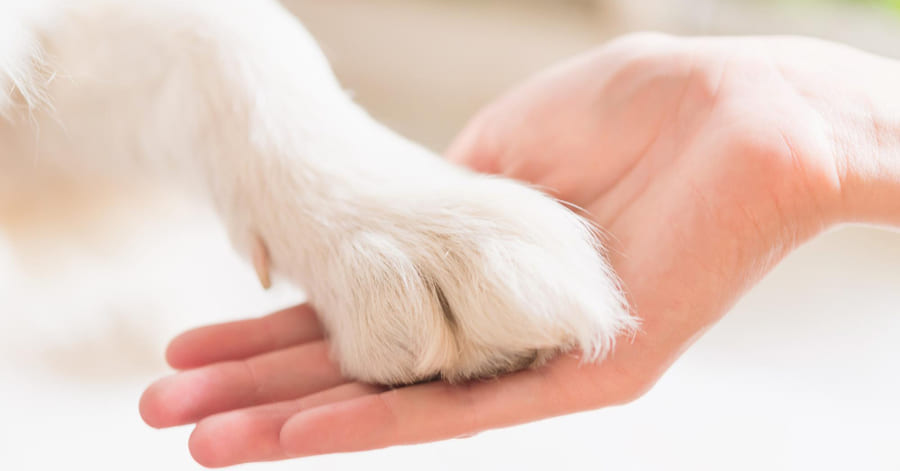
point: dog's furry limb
(21, 59)
(418, 268)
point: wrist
(855, 98)
(868, 151)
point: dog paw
(454, 276)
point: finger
(251, 435)
(438, 411)
(243, 339)
(286, 374)
(475, 148)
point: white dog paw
(458, 277)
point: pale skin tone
(706, 161)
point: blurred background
(94, 280)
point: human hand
(704, 160)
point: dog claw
(260, 255)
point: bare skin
(706, 161)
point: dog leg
(418, 268)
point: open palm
(704, 161)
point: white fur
(417, 268)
